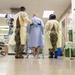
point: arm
(25, 18)
(47, 29)
(47, 26)
(42, 27)
(58, 29)
(42, 24)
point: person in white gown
(35, 35)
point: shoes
(16, 57)
(51, 55)
(19, 57)
(55, 57)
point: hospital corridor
(37, 37)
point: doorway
(63, 34)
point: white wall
(63, 17)
(73, 14)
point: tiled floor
(11, 66)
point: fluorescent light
(47, 13)
(2, 15)
(4, 26)
(4, 29)
(3, 34)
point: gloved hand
(32, 24)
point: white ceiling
(36, 6)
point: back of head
(35, 14)
(22, 8)
(52, 16)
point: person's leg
(34, 51)
(50, 53)
(21, 51)
(53, 40)
(17, 40)
(38, 50)
(26, 48)
(54, 49)
(17, 46)
(56, 54)
(54, 45)
(16, 52)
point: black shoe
(21, 57)
(16, 57)
(51, 55)
(55, 57)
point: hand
(32, 24)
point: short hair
(35, 14)
(22, 8)
(52, 16)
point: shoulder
(56, 22)
(48, 21)
(39, 18)
(15, 16)
(22, 13)
(53, 21)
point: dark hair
(52, 16)
(22, 8)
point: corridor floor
(11, 66)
